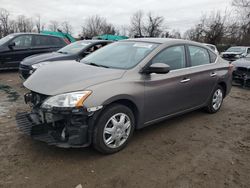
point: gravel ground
(194, 150)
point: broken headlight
(70, 100)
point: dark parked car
(235, 53)
(124, 86)
(73, 51)
(15, 47)
(241, 73)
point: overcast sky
(178, 14)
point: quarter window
(213, 57)
(172, 56)
(55, 41)
(198, 55)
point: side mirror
(11, 45)
(158, 68)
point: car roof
(163, 41)
(240, 47)
(95, 41)
(208, 44)
(38, 34)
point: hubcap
(117, 130)
(217, 99)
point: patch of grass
(12, 94)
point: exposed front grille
(35, 99)
(38, 132)
(242, 71)
(24, 66)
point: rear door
(202, 74)
(44, 44)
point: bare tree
(173, 34)
(242, 4)
(38, 24)
(4, 21)
(24, 24)
(215, 27)
(123, 30)
(154, 25)
(54, 25)
(210, 29)
(137, 24)
(67, 28)
(243, 10)
(96, 25)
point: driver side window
(23, 41)
(172, 56)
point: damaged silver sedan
(119, 88)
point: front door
(17, 53)
(167, 94)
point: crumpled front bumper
(242, 77)
(71, 130)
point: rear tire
(114, 129)
(216, 100)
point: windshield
(237, 49)
(120, 55)
(74, 48)
(6, 39)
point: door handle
(185, 80)
(213, 74)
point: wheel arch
(224, 87)
(126, 101)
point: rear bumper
(69, 131)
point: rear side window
(213, 57)
(56, 41)
(47, 41)
(198, 55)
(172, 56)
(42, 41)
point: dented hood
(69, 76)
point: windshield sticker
(143, 45)
(85, 44)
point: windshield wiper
(97, 65)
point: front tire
(216, 100)
(114, 129)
